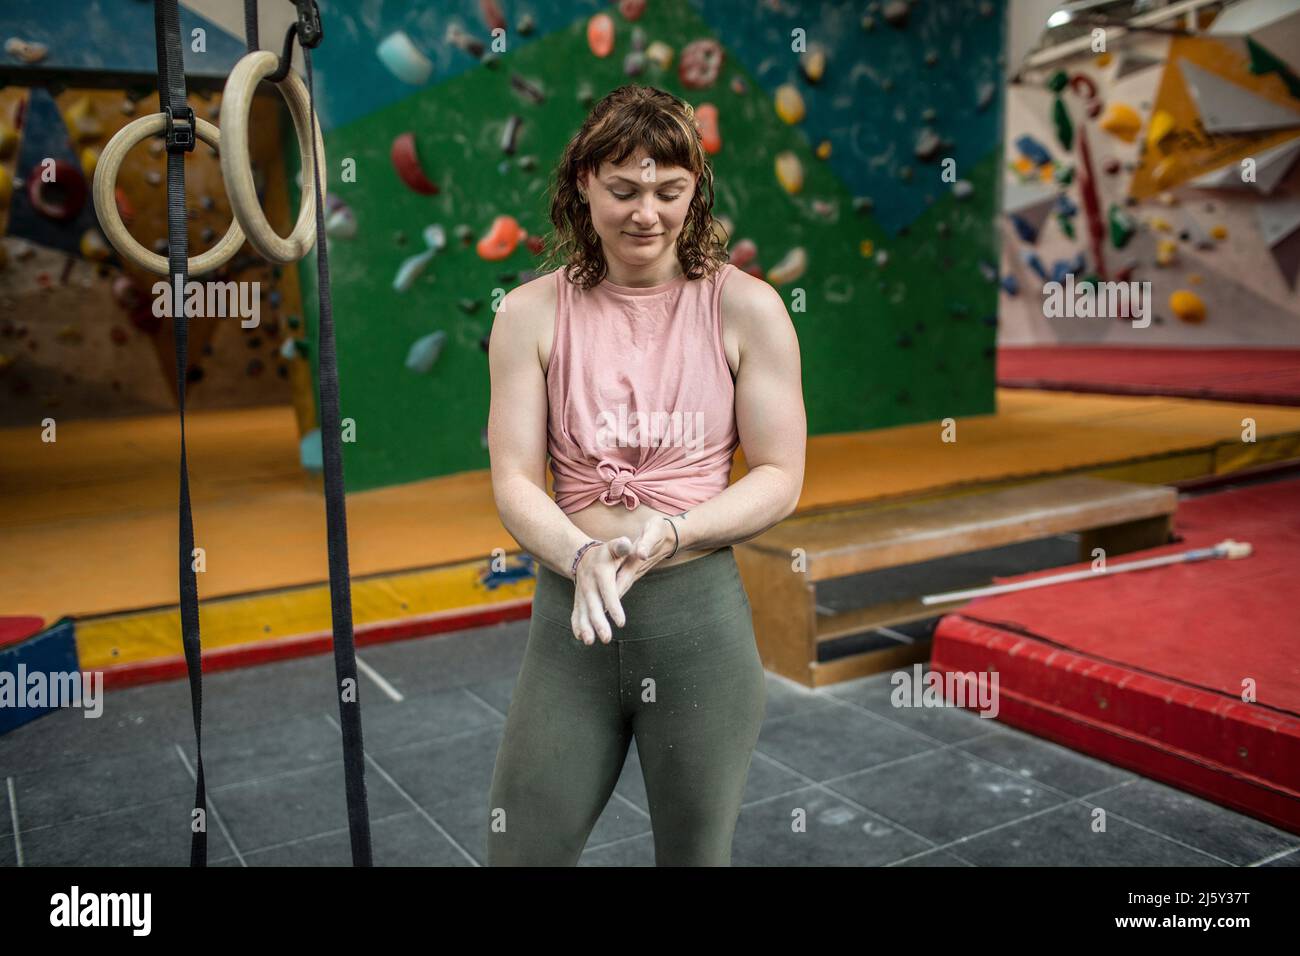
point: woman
(638, 365)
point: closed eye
(630, 195)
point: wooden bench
(1113, 515)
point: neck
(640, 277)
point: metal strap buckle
(180, 138)
(310, 31)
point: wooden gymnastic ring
(236, 163)
(110, 218)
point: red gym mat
(1146, 669)
(1264, 376)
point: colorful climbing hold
(1187, 306)
(701, 61)
(824, 149)
(424, 352)
(660, 54)
(1162, 124)
(435, 238)
(1030, 258)
(501, 239)
(1025, 228)
(789, 104)
(813, 63)
(1122, 226)
(407, 165)
(1166, 252)
(789, 171)
(1121, 121)
(1167, 170)
(60, 199)
(631, 9)
(403, 59)
(743, 253)
(93, 246)
(81, 118)
(1219, 232)
(791, 267)
(341, 223)
(1033, 150)
(600, 34)
(1064, 125)
(706, 118)
(89, 160)
(895, 13)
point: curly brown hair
(629, 119)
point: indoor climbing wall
(1169, 161)
(79, 333)
(856, 154)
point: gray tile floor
(876, 785)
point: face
(639, 208)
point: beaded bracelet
(578, 557)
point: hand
(656, 541)
(594, 591)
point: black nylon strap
(172, 100)
(345, 658)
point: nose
(644, 218)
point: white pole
(1224, 549)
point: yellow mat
(88, 523)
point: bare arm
(770, 419)
(517, 440)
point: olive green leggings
(683, 676)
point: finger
(596, 613)
(627, 576)
(610, 598)
(576, 620)
(649, 542)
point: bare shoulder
(746, 296)
(529, 311)
(752, 311)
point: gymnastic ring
(110, 218)
(236, 165)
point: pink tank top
(642, 402)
